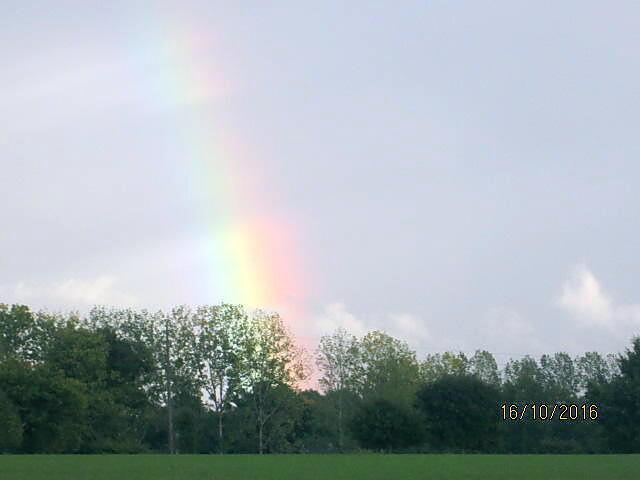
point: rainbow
(250, 250)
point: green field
(319, 467)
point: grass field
(320, 467)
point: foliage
(483, 365)
(10, 425)
(438, 365)
(621, 401)
(274, 365)
(387, 369)
(460, 413)
(338, 358)
(52, 408)
(221, 379)
(386, 426)
(222, 342)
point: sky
(461, 175)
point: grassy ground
(320, 467)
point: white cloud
(404, 326)
(70, 293)
(334, 316)
(584, 298)
(409, 326)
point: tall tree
(523, 381)
(484, 366)
(23, 333)
(593, 368)
(438, 365)
(387, 368)
(620, 399)
(10, 425)
(384, 425)
(171, 338)
(337, 358)
(222, 345)
(273, 361)
(524, 384)
(559, 377)
(52, 408)
(460, 412)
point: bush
(461, 413)
(10, 425)
(382, 425)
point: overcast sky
(460, 174)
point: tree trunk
(170, 421)
(260, 428)
(220, 437)
(340, 445)
(170, 439)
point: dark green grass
(319, 467)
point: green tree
(282, 409)
(337, 358)
(524, 383)
(52, 408)
(168, 343)
(483, 365)
(437, 365)
(23, 333)
(122, 410)
(10, 425)
(78, 353)
(315, 429)
(274, 363)
(121, 422)
(222, 344)
(560, 378)
(387, 368)
(620, 400)
(461, 413)
(380, 424)
(172, 340)
(593, 369)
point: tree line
(219, 379)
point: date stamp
(544, 412)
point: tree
(387, 368)
(460, 412)
(337, 358)
(381, 424)
(283, 409)
(273, 362)
(592, 369)
(23, 333)
(122, 407)
(173, 344)
(222, 343)
(438, 365)
(315, 429)
(52, 408)
(483, 365)
(127, 406)
(10, 425)
(78, 353)
(620, 399)
(523, 381)
(559, 377)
